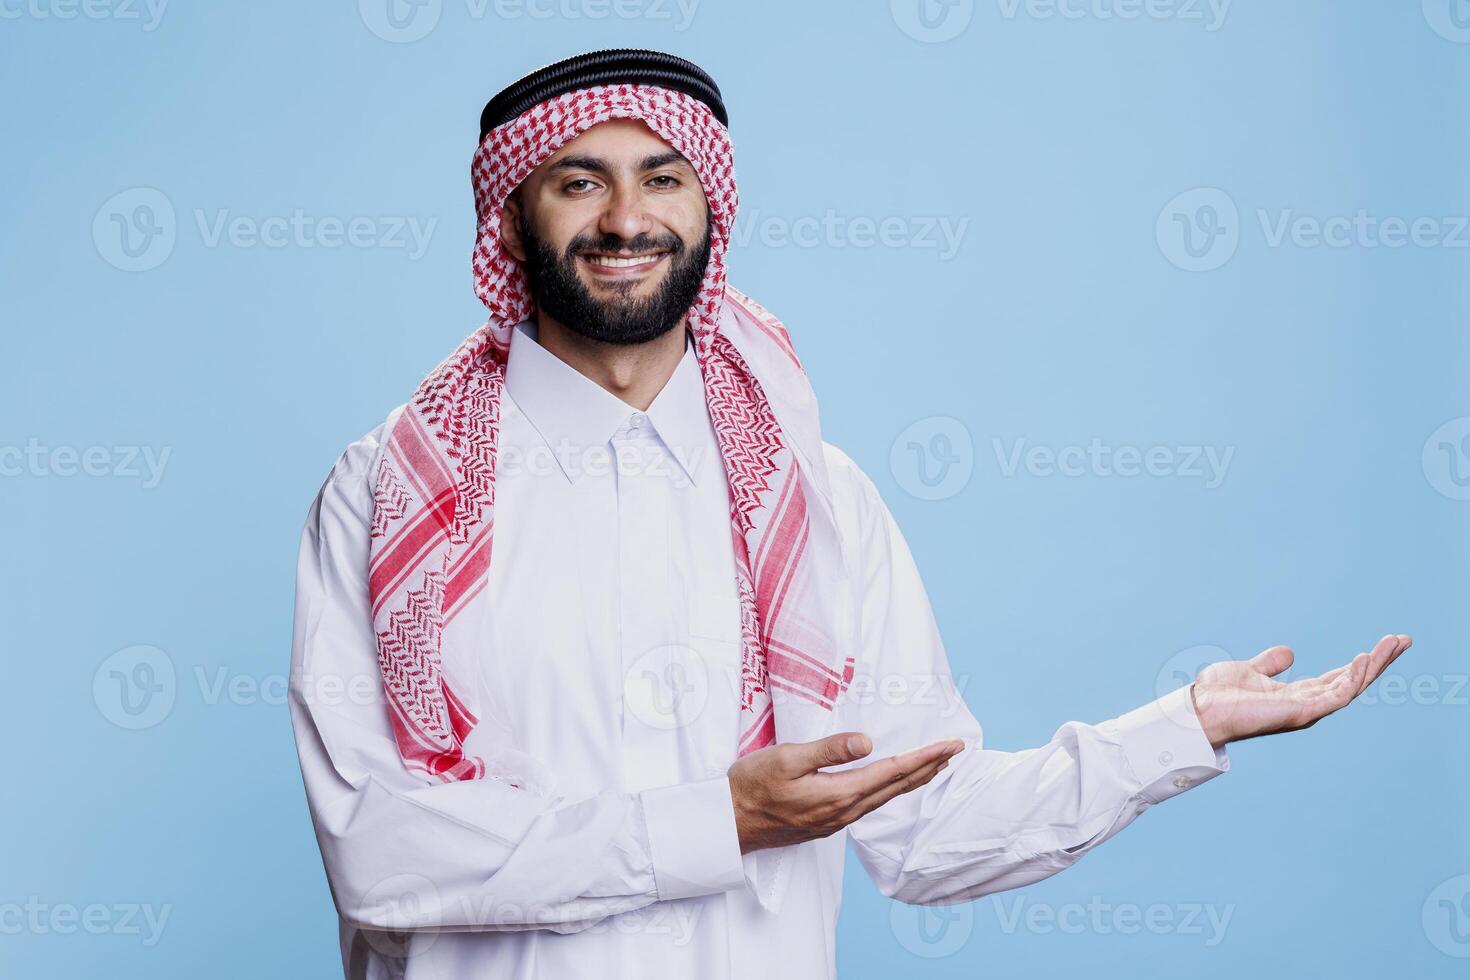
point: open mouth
(617, 266)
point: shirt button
(1181, 782)
(636, 422)
(1165, 758)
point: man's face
(613, 232)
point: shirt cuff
(1166, 748)
(692, 836)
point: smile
(623, 265)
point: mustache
(612, 243)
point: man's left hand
(1238, 699)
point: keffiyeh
(434, 501)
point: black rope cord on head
(611, 66)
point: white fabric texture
(612, 635)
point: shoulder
(859, 506)
(349, 483)
(847, 477)
(359, 461)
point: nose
(625, 215)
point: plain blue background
(1058, 137)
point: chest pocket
(714, 625)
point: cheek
(685, 218)
(561, 233)
(558, 224)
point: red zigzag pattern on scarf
(434, 498)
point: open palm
(1238, 699)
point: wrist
(1213, 715)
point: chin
(644, 285)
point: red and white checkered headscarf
(433, 518)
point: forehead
(619, 142)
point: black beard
(560, 293)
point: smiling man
(701, 661)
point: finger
(1379, 657)
(1305, 700)
(915, 780)
(1347, 685)
(869, 779)
(918, 778)
(1404, 642)
(945, 748)
(1273, 660)
(834, 750)
(1350, 684)
(1318, 699)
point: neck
(636, 373)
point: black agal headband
(611, 66)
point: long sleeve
(992, 820)
(403, 854)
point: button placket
(648, 657)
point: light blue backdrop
(1100, 227)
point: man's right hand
(781, 797)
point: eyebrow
(598, 165)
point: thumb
(1273, 661)
(834, 750)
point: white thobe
(611, 663)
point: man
(632, 744)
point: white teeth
(614, 262)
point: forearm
(484, 855)
(404, 853)
(992, 820)
(999, 820)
